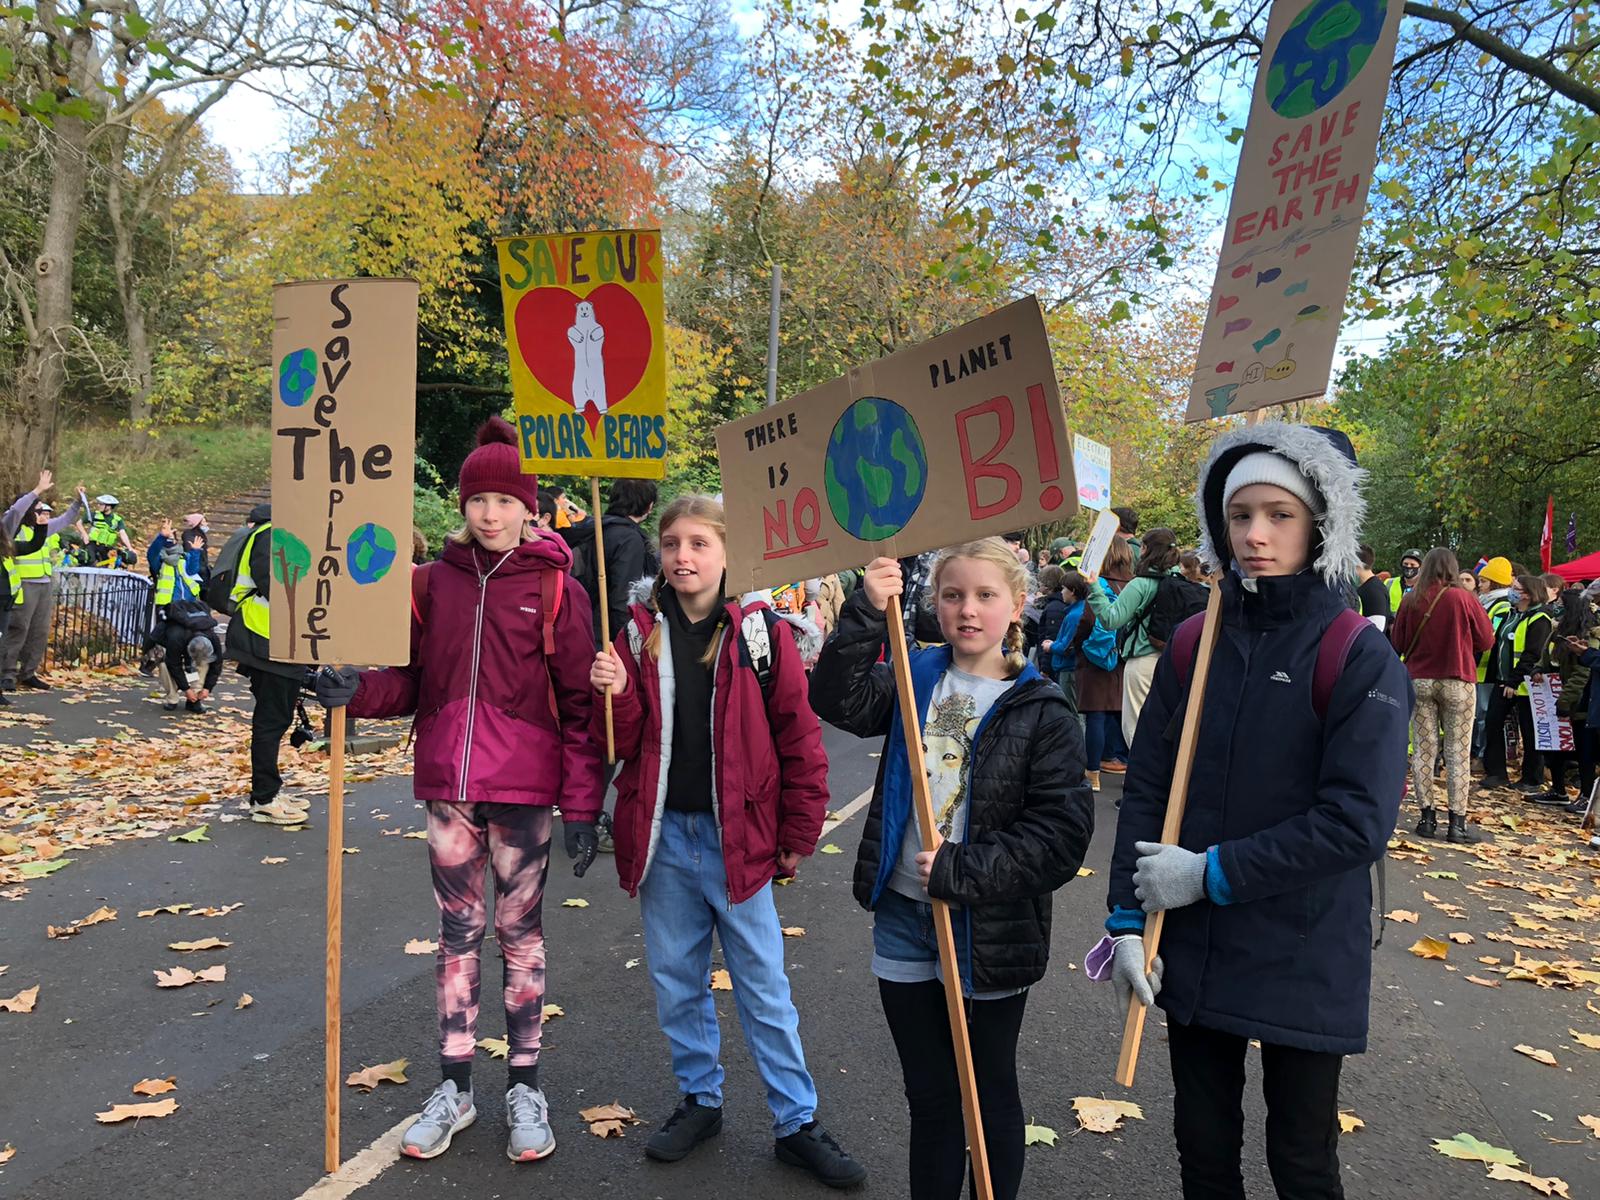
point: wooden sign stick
(335, 910)
(600, 600)
(1177, 799)
(922, 801)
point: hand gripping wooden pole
(601, 604)
(1177, 799)
(922, 801)
(335, 910)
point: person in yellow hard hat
(1494, 588)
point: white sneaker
(528, 1120)
(447, 1112)
(278, 812)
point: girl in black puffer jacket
(1004, 757)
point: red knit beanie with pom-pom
(495, 466)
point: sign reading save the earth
(957, 438)
(588, 362)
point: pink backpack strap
(1185, 644)
(1334, 650)
(551, 589)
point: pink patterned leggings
(464, 841)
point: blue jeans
(1102, 738)
(683, 898)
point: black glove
(582, 844)
(337, 686)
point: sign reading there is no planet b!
(344, 355)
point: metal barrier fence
(100, 617)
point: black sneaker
(1528, 787)
(1551, 798)
(690, 1124)
(813, 1148)
(193, 706)
(4, 703)
(1577, 808)
(34, 684)
(1492, 783)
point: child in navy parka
(1267, 892)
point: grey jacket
(12, 519)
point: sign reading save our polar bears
(1298, 199)
(588, 360)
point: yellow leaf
(1545, 1186)
(575, 902)
(272, 861)
(495, 1047)
(1430, 947)
(420, 946)
(370, 1077)
(124, 1112)
(794, 931)
(1482, 982)
(1592, 1124)
(1588, 1040)
(245, 1001)
(419, 834)
(183, 977)
(351, 850)
(1349, 1122)
(1038, 1135)
(97, 917)
(209, 943)
(1099, 1115)
(720, 982)
(22, 1002)
(1540, 1056)
(1403, 915)
(830, 848)
(1470, 1149)
(550, 1012)
(165, 908)
(155, 1087)
(1085, 872)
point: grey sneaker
(603, 840)
(447, 1112)
(278, 812)
(528, 1119)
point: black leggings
(1502, 706)
(920, 1024)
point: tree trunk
(28, 436)
(135, 320)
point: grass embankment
(176, 470)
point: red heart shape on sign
(545, 314)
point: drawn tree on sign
(291, 562)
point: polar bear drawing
(588, 367)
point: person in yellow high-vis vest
(275, 685)
(1494, 587)
(35, 532)
(10, 586)
(1518, 654)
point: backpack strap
(1337, 641)
(552, 586)
(755, 631)
(419, 592)
(1185, 645)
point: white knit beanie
(1263, 466)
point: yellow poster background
(584, 331)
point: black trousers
(920, 1025)
(1583, 753)
(273, 714)
(1494, 740)
(1302, 1092)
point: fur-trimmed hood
(807, 635)
(1327, 460)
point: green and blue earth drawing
(876, 469)
(1321, 52)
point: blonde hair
(707, 510)
(997, 554)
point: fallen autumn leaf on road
(608, 1120)
(125, 1112)
(1589, 1041)
(1470, 1149)
(1541, 1056)
(155, 1087)
(165, 908)
(830, 848)
(1038, 1135)
(272, 860)
(419, 946)
(183, 977)
(575, 902)
(1349, 1122)
(495, 1047)
(1545, 1186)
(194, 835)
(1462, 939)
(209, 943)
(245, 1001)
(22, 1002)
(1430, 947)
(794, 931)
(1099, 1115)
(721, 981)
(550, 1012)
(7, 1153)
(1403, 916)
(1592, 1124)
(370, 1077)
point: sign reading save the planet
(960, 437)
(588, 363)
(344, 356)
(1298, 199)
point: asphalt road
(249, 1081)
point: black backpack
(1176, 600)
(219, 587)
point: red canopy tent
(1579, 569)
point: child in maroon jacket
(725, 786)
(502, 703)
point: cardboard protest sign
(1091, 464)
(1298, 199)
(1095, 549)
(588, 358)
(343, 454)
(960, 437)
(1550, 731)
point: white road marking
(361, 1170)
(385, 1152)
(848, 811)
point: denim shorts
(905, 948)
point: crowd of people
(1031, 673)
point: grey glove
(582, 844)
(337, 686)
(1128, 973)
(1168, 876)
